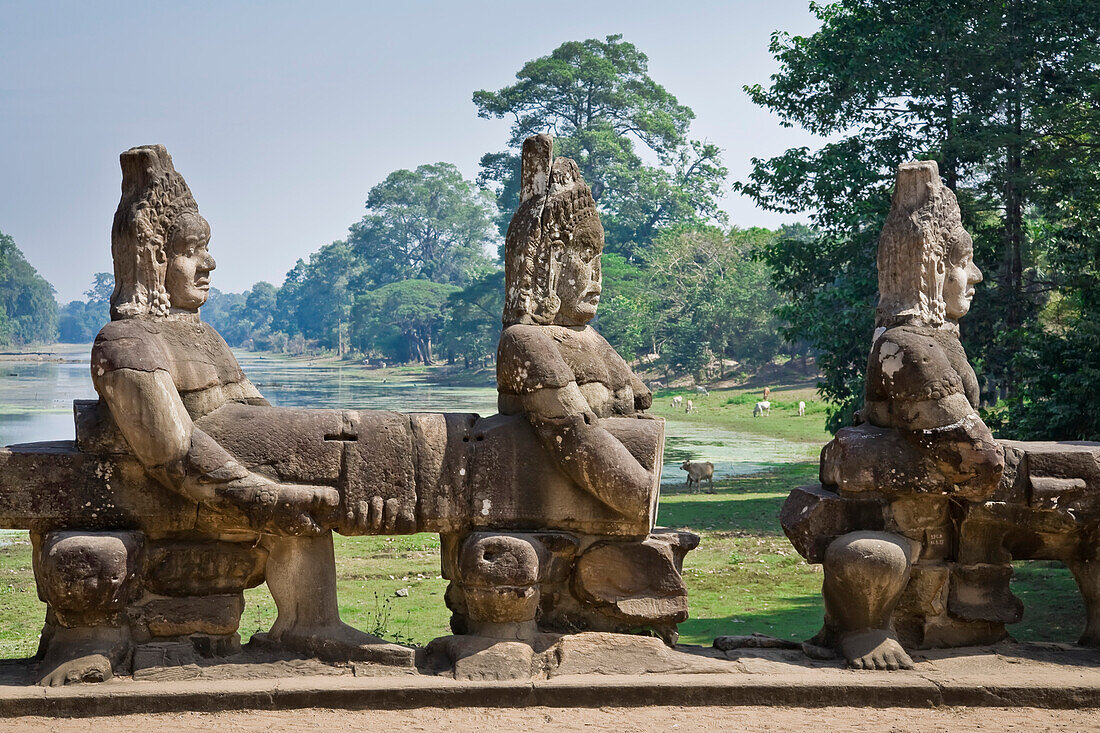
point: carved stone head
(552, 251)
(158, 240)
(926, 270)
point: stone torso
(535, 357)
(203, 369)
(912, 364)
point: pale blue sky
(281, 116)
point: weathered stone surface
(813, 516)
(99, 492)
(638, 580)
(211, 614)
(516, 484)
(444, 445)
(87, 577)
(981, 593)
(179, 568)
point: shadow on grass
(799, 620)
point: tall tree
(80, 320)
(401, 319)
(28, 311)
(968, 83)
(598, 100)
(430, 223)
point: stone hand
(285, 509)
(379, 515)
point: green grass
(732, 409)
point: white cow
(677, 401)
(689, 406)
(801, 408)
(701, 390)
(764, 407)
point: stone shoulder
(909, 364)
(528, 358)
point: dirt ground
(926, 720)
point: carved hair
(156, 203)
(915, 246)
(554, 203)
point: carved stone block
(87, 578)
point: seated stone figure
(923, 446)
(586, 408)
(552, 366)
(159, 369)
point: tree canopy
(430, 223)
(598, 100)
(28, 311)
(992, 91)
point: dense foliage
(598, 100)
(1004, 96)
(28, 311)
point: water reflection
(36, 404)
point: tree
(80, 320)
(472, 327)
(714, 300)
(28, 311)
(430, 223)
(974, 85)
(599, 101)
(400, 319)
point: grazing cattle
(677, 401)
(762, 408)
(689, 407)
(697, 472)
(702, 390)
(767, 393)
(801, 408)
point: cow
(677, 401)
(702, 391)
(762, 408)
(689, 406)
(697, 472)
(801, 408)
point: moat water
(37, 393)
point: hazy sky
(281, 116)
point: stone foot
(873, 649)
(341, 643)
(85, 654)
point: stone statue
(184, 486)
(552, 366)
(586, 408)
(923, 443)
(159, 368)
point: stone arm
(570, 431)
(643, 398)
(148, 410)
